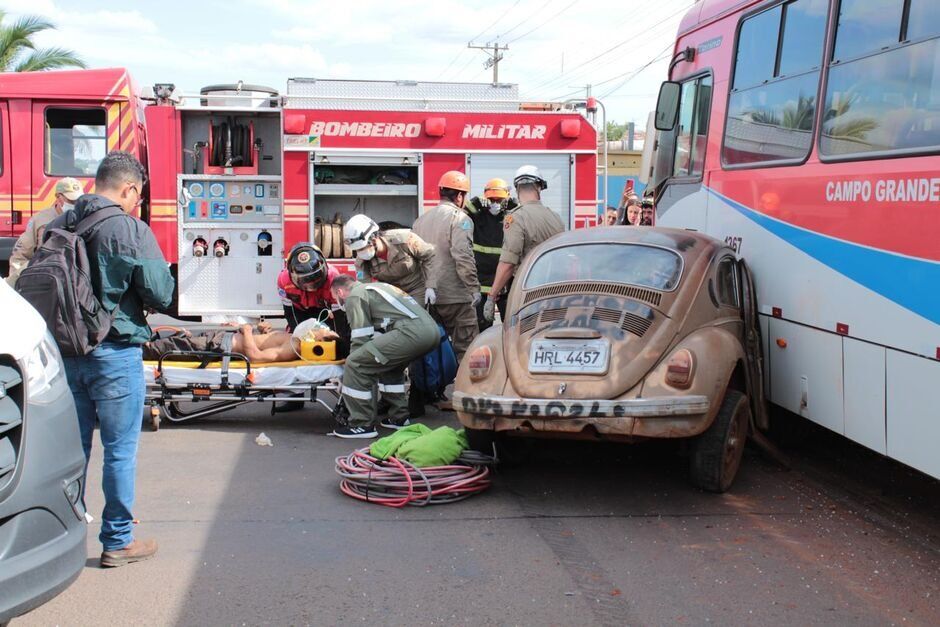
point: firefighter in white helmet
(525, 228)
(397, 256)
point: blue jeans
(108, 385)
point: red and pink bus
(805, 133)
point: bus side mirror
(667, 106)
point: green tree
(616, 132)
(18, 53)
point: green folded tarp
(420, 446)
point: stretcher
(220, 382)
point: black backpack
(57, 284)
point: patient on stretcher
(269, 347)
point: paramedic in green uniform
(389, 331)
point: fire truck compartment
(199, 128)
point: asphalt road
(576, 535)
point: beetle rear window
(632, 264)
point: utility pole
(586, 88)
(587, 94)
(494, 56)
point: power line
(477, 36)
(496, 21)
(464, 67)
(519, 23)
(614, 47)
(663, 55)
(532, 30)
(451, 64)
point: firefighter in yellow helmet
(487, 214)
(456, 290)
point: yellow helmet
(496, 189)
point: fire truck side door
(6, 179)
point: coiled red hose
(397, 483)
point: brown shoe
(136, 551)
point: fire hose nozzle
(200, 247)
(220, 248)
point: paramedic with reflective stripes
(524, 229)
(487, 214)
(455, 289)
(304, 288)
(389, 331)
(397, 256)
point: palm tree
(19, 54)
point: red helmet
(455, 179)
(307, 267)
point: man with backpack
(101, 335)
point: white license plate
(569, 356)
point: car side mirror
(667, 106)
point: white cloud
(267, 41)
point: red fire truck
(239, 173)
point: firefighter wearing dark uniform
(389, 331)
(487, 214)
(528, 226)
(304, 288)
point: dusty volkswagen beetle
(622, 333)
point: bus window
(692, 129)
(866, 26)
(803, 36)
(76, 141)
(772, 108)
(757, 49)
(924, 19)
(889, 101)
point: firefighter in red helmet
(304, 288)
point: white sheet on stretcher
(273, 376)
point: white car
(42, 518)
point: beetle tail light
(480, 361)
(680, 368)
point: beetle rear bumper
(661, 417)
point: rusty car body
(623, 333)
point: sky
(556, 47)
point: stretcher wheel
(154, 418)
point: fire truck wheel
(716, 454)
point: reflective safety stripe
(363, 395)
(485, 289)
(392, 388)
(487, 250)
(392, 301)
(363, 332)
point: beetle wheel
(716, 454)
(480, 440)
